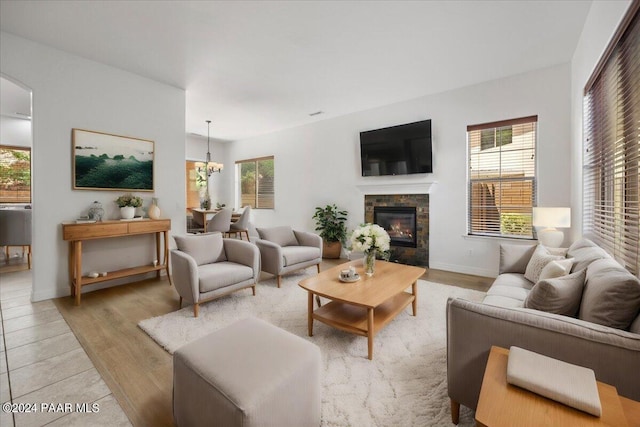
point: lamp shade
(552, 217)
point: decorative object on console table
(128, 204)
(550, 218)
(154, 210)
(96, 212)
(330, 223)
(370, 239)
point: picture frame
(104, 161)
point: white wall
(71, 92)
(318, 164)
(601, 24)
(15, 131)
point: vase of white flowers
(370, 239)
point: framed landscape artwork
(102, 161)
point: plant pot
(331, 249)
(127, 212)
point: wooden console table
(77, 233)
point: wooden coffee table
(366, 306)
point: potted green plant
(128, 204)
(330, 222)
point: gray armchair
(15, 230)
(206, 267)
(283, 250)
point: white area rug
(404, 385)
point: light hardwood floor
(136, 369)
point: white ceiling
(257, 66)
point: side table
(503, 404)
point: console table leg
(78, 275)
(158, 253)
(166, 256)
(72, 269)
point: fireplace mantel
(412, 187)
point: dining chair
(220, 222)
(15, 230)
(242, 224)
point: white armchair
(283, 250)
(206, 267)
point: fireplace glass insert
(399, 222)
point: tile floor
(42, 362)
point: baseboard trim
(464, 269)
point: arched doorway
(16, 146)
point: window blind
(611, 156)
(502, 177)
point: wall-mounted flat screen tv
(397, 150)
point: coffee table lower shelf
(356, 319)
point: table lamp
(549, 219)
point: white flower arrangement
(368, 237)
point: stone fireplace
(406, 219)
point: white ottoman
(248, 374)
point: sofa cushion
(540, 258)
(282, 236)
(559, 295)
(514, 258)
(611, 295)
(584, 251)
(221, 274)
(297, 254)
(513, 279)
(557, 268)
(508, 290)
(502, 301)
(203, 248)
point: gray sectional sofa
(602, 332)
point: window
(257, 182)
(502, 177)
(495, 137)
(15, 174)
(611, 157)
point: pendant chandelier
(209, 167)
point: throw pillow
(558, 251)
(514, 258)
(540, 258)
(611, 295)
(203, 248)
(282, 236)
(557, 268)
(561, 295)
